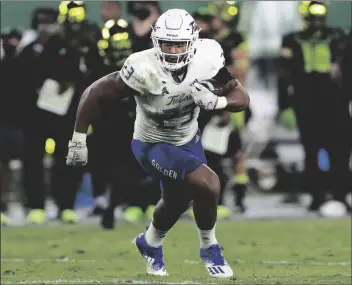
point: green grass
(260, 252)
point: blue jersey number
(166, 121)
(127, 71)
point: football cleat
(133, 214)
(215, 262)
(69, 216)
(152, 255)
(224, 212)
(36, 216)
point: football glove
(206, 99)
(77, 153)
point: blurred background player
(346, 83)
(143, 15)
(51, 111)
(224, 19)
(203, 20)
(30, 56)
(110, 10)
(307, 87)
(78, 32)
(11, 110)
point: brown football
(213, 86)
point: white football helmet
(175, 25)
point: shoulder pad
(214, 53)
(132, 72)
(140, 72)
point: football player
(10, 114)
(307, 75)
(166, 82)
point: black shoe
(316, 204)
(97, 211)
(107, 219)
(240, 208)
(291, 198)
(239, 191)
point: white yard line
(66, 259)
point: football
(214, 86)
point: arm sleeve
(223, 76)
(132, 74)
(218, 60)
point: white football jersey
(166, 112)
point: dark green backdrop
(17, 13)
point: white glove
(77, 150)
(205, 99)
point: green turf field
(260, 252)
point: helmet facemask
(174, 61)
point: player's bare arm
(110, 86)
(237, 98)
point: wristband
(221, 104)
(79, 137)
